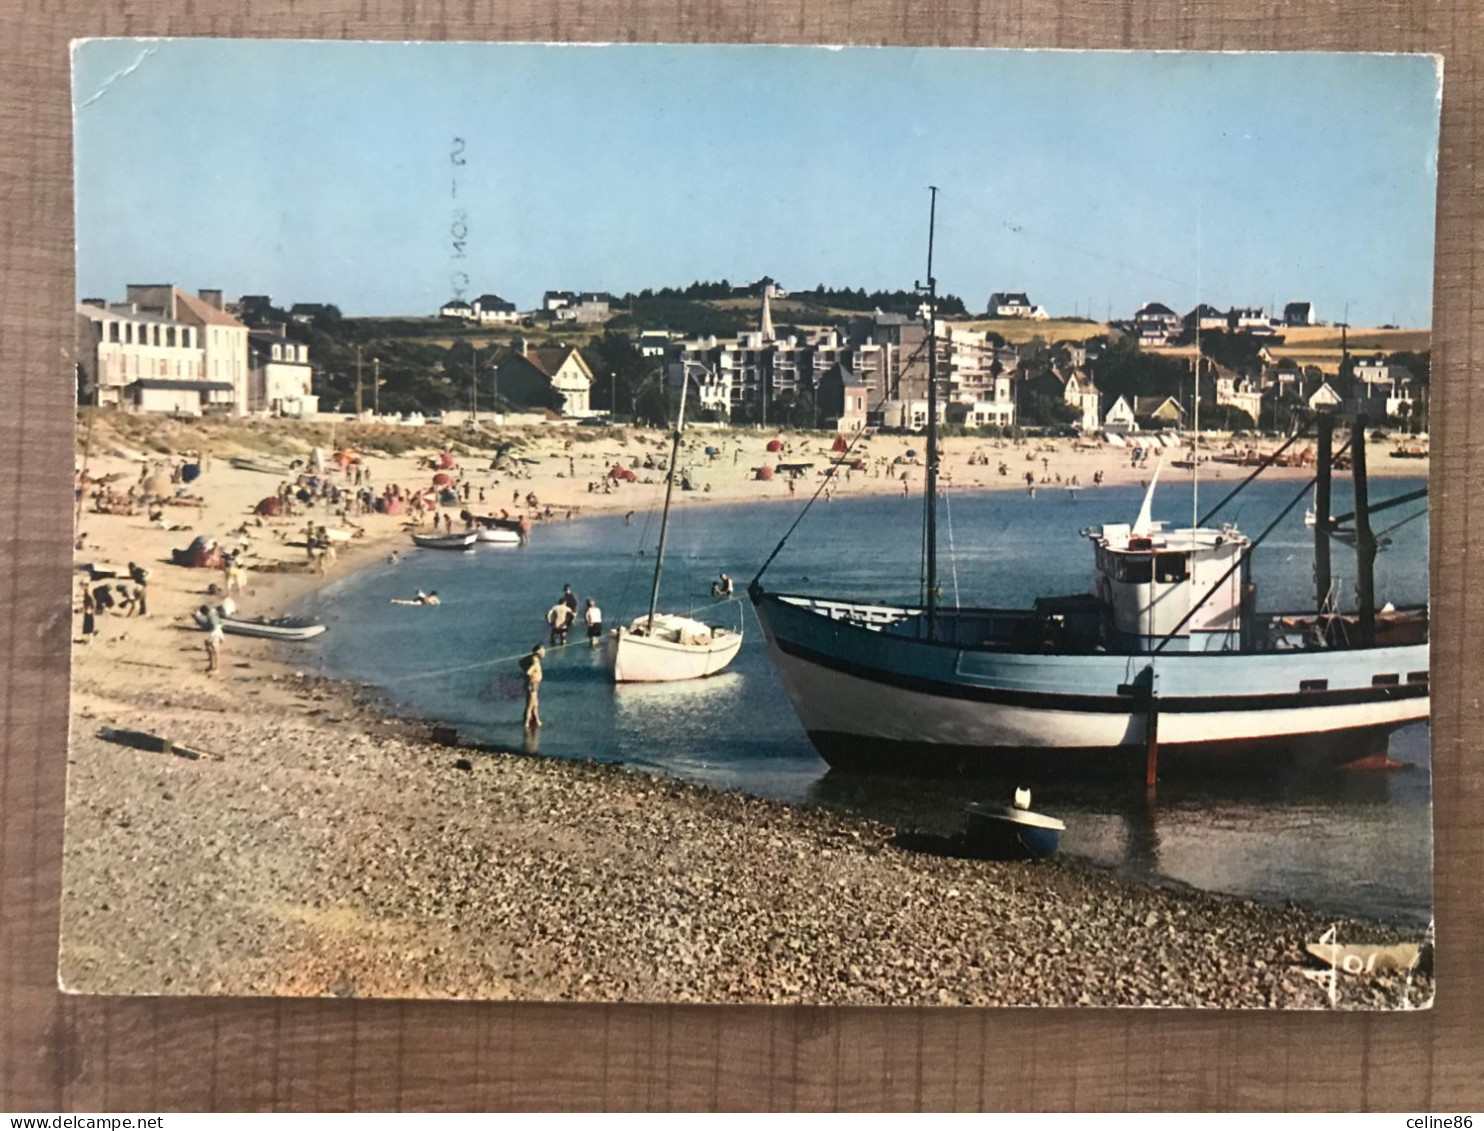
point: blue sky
(322, 172)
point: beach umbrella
(190, 472)
(764, 472)
(445, 459)
(159, 486)
(911, 453)
(839, 445)
(775, 445)
(442, 479)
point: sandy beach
(315, 845)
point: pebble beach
(298, 839)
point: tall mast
(659, 556)
(932, 436)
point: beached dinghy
(278, 628)
(666, 647)
(464, 540)
(1012, 832)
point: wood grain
(61, 1053)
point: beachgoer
(428, 598)
(531, 667)
(628, 519)
(569, 599)
(722, 586)
(103, 598)
(593, 617)
(213, 638)
(140, 576)
(89, 613)
(559, 617)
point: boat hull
(1009, 834)
(497, 536)
(644, 659)
(445, 541)
(286, 629)
(872, 701)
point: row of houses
(873, 370)
(1155, 324)
(165, 350)
(556, 306)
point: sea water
(1349, 843)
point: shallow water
(1347, 843)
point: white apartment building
(145, 362)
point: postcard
(751, 525)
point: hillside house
(1300, 314)
(456, 308)
(489, 309)
(1010, 304)
(1205, 317)
(550, 377)
(1158, 412)
(1119, 417)
(1325, 399)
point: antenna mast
(931, 486)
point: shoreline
(341, 852)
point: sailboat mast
(932, 436)
(659, 555)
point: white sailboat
(667, 647)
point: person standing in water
(530, 666)
(593, 617)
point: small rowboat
(496, 535)
(461, 541)
(267, 467)
(1012, 832)
(280, 628)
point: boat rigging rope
(952, 554)
(1398, 525)
(825, 482)
(1266, 463)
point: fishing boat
(277, 628)
(1164, 662)
(463, 540)
(667, 647)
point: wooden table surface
(62, 1053)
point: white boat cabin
(1148, 579)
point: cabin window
(1171, 567)
(1134, 571)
